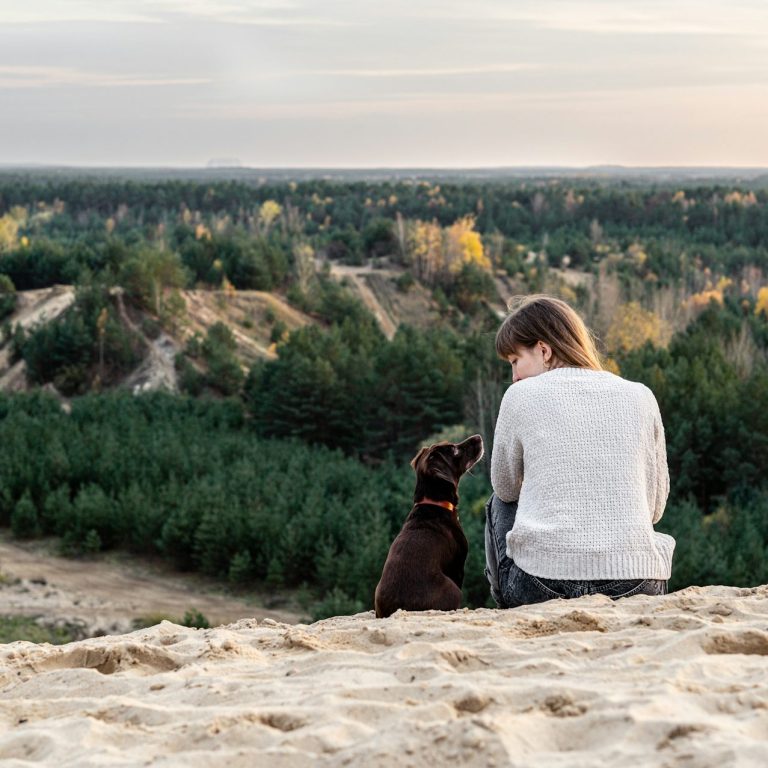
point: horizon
(279, 84)
(55, 165)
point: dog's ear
(444, 470)
(436, 461)
(418, 457)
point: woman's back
(583, 452)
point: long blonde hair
(539, 317)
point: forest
(292, 470)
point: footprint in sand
(751, 642)
(282, 721)
(126, 657)
(573, 621)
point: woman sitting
(579, 469)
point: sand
(679, 680)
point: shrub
(15, 628)
(241, 568)
(405, 282)
(92, 542)
(24, 522)
(336, 603)
(193, 618)
(7, 296)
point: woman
(579, 469)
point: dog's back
(425, 565)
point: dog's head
(448, 461)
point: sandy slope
(680, 680)
(249, 315)
(106, 594)
(377, 290)
(32, 308)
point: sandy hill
(246, 313)
(251, 316)
(32, 308)
(679, 680)
(377, 289)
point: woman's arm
(507, 456)
(661, 484)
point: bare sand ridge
(250, 316)
(33, 307)
(377, 290)
(246, 313)
(680, 680)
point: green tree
(148, 273)
(24, 521)
(379, 238)
(7, 296)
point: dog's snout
(473, 450)
(476, 442)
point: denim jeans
(511, 586)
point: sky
(384, 83)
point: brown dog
(424, 569)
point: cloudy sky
(345, 83)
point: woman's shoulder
(570, 378)
(637, 395)
(638, 387)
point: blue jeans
(511, 586)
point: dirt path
(356, 276)
(105, 594)
(158, 369)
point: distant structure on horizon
(224, 162)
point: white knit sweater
(583, 453)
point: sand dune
(680, 680)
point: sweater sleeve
(507, 456)
(661, 480)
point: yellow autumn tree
(610, 365)
(202, 232)
(464, 246)
(268, 214)
(304, 265)
(637, 253)
(424, 249)
(9, 230)
(739, 198)
(633, 326)
(229, 290)
(762, 301)
(699, 301)
(10, 223)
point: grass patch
(13, 628)
(7, 579)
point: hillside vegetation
(310, 336)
